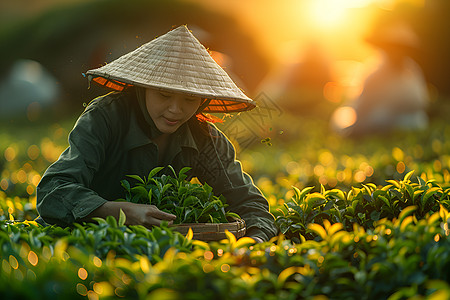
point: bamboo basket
(212, 231)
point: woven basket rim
(211, 231)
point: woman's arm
(217, 165)
(64, 195)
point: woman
(153, 118)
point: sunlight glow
(328, 13)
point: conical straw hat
(178, 62)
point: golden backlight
(328, 13)
(287, 30)
(339, 25)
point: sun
(331, 13)
(326, 13)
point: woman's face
(170, 110)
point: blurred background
(325, 73)
(309, 56)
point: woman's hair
(199, 125)
(200, 120)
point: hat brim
(222, 105)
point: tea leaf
(421, 181)
(149, 195)
(140, 190)
(405, 222)
(430, 192)
(125, 184)
(367, 189)
(122, 218)
(190, 201)
(385, 200)
(165, 188)
(181, 174)
(232, 215)
(231, 238)
(416, 194)
(386, 187)
(286, 273)
(304, 192)
(138, 178)
(99, 220)
(200, 244)
(394, 183)
(244, 242)
(410, 191)
(408, 176)
(406, 212)
(322, 189)
(173, 171)
(318, 229)
(190, 234)
(443, 213)
(434, 218)
(154, 171)
(111, 221)
(335, 228)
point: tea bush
(355, 223)
(394, 260)
(363, 206)
(190, 202)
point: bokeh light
(344, 117)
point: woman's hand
(146, 215)
(136, 214)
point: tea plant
(96, 238)
(362, 206)
(397, 259)
(190, 202)
(65, 263)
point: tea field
(363, 218)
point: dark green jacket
(113, 138)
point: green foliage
(363, 206)
(20, 208)
(190, 202)
(345, 239)
(99, 239)
(387, 242)
(396, 259)
(49, 259)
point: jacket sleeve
(220, 169)
(63, 194)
